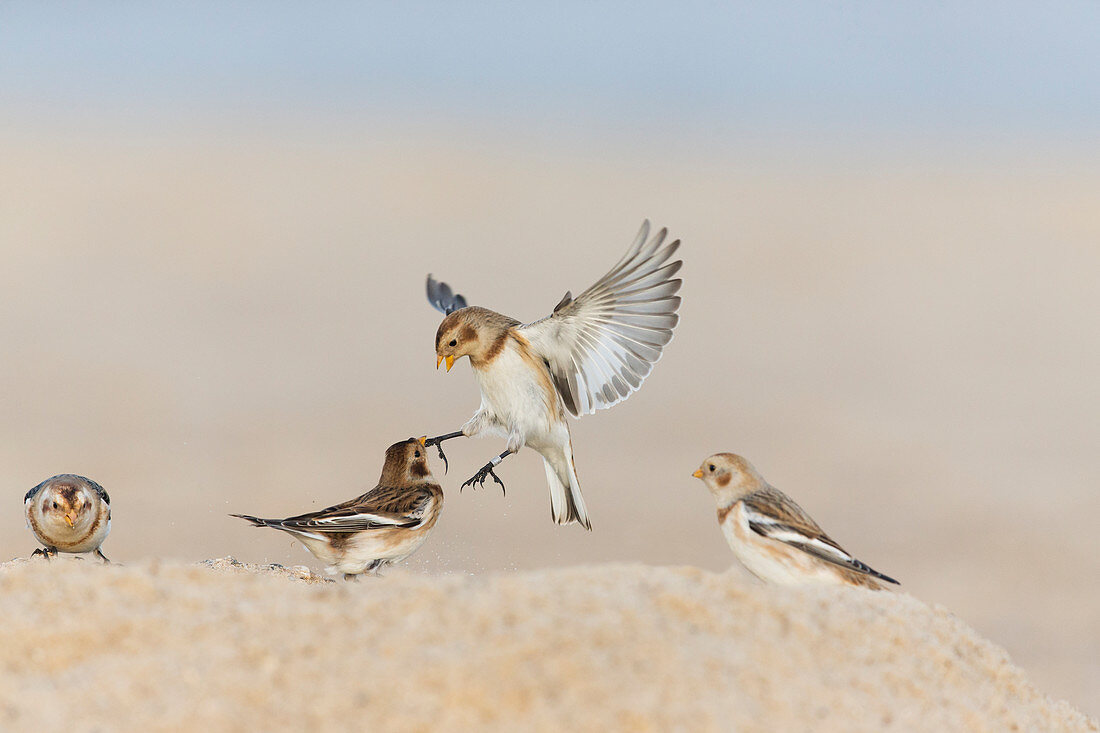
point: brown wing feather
(395, 506)
(786, 518)
(773, 503)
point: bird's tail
(566, 502)
(256, 521)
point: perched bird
(591, 353)
(771, 535)
(381, 527)
(69, 513)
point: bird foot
(479, 478)
(46, 552)
(438, 443)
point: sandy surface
(612, 647)
(230, 318)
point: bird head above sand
(67, 503)
(406, 464)
(729, 476)
(476, 332)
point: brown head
(406, 464)
(67, 502)
(476, 332)
(729, 476)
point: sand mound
(231, 647)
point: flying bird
(771, 535)
(69, 513)
(383, 526)
(592, 352)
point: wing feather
(442, 298)
(379, 508)
(602, 345)
(772, 514)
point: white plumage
(591, 353)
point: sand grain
(224, 646)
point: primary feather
(442, 298)
(602, 345)
(773, 515)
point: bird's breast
(516, 390)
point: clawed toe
(480, 476)
(438, 443)
(442, 455)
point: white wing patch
(362, 520)
(808, 544)
(359, 521)
(601, 346)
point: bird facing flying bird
(592, 352)
(69, 513)
(383, 526)
(771, 535)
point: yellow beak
(422, 440)
(69, 521)
(438, 361)
(450, 363)
(698, 473)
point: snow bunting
(69, 513)
(383, 526)
(771, 535)
(591, 353)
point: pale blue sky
(1032, 67)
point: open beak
(698, 473)
(422, 440)
(69, 521)
(450, 363)
(438, 361)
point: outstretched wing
(442, 298)
(602, 345)
(772, 514)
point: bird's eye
(711, 467)
(454, 342)
(55, 505)
(417, 454)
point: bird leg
(103, 557)
(438, 443)
(486, 471)
(46, 552)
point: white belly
(93, 540)
(76, 539)
(514, 396)
(393, 546)
(771, 561)
(390, 545)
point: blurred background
(216, 220)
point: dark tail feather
(887, 578)
(872, 572)
(256, 521)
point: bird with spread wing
(592, 352)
